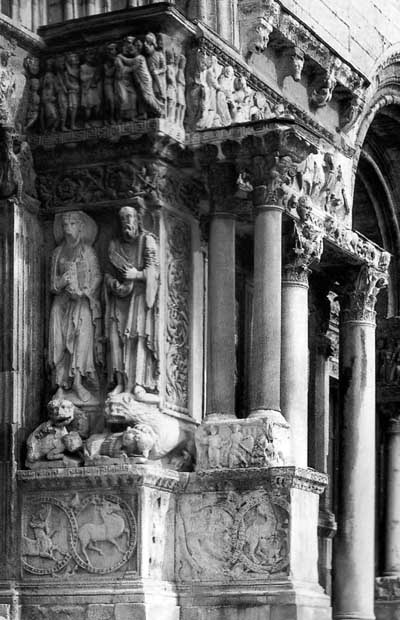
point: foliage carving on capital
(359, 297)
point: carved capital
(303, 249)
(359, 297)
(275, 159)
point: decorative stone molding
(359, 297)
(178, 261)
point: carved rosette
(359, 297)
(178, 262)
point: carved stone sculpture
(7, 87)
(323, 90)
(31, 65)
(109, 71)
(147, 434)
(180, 90)
(11, 181)
(134, 83)
(53, 444)
(294, 58)
(61, 91)
(171, 85)
(73, 86)
(157, 66)
(131, 289)
(91, 86)
(75, 283)
(49, 115)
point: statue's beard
(130, 232)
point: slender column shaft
(392, 563)
(91, 7)
(354, 548)
(221, 317)
(69, 9)
(224, 19)
(266, 329)
(294, 363)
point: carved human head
(72, 59)
(129, 222)
(61, 412)
(32, 65)
(60, 62)
(72, 225)
(72, 441)
(304, 208)
(90, 55)
(170, 57)
(228, 71)
(150, 43)
(34, 84)
(111, 50)
(5, 57)
(128, 45)
(294, 63)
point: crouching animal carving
(148, 434)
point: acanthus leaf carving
(359, 296)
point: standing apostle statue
(131, 287)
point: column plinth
(354, 553)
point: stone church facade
(200, 342)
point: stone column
(354, 548)
(91, 7)
(224, 19)
(266, 326)
(392, 559)
(305, 248)
(221, 317)
(69, 9)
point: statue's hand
(65, 279)
(130, 273)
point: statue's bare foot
(117, 390)
(145, 397)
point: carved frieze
(178, 278)
(228, 537)
(95, 533)
(241, 444)
(387, 588)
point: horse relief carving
(96, 534)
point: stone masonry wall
(360, 30)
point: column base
(262, 441)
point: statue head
(61, 412)
(128, 45)
(32, 65)
(74, 226)
(72, 59)
(60, 62)
(90, 55)
(150, 43)
(111, 50)
(294, 63)
(129, 222)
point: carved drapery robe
(131, 313)
(74, 331)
